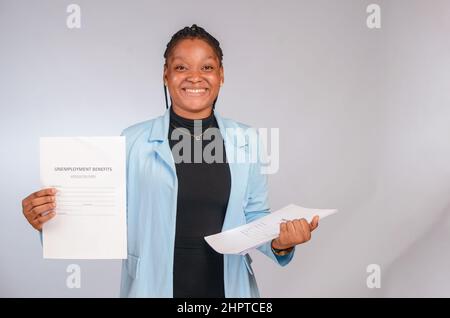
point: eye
(180, 68)
(208, 68)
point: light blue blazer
(151, 211)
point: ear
(222, 76)
(165, 74)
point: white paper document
(251, 235)
(89, 174)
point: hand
(295, 232)
(39, 207)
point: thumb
(314, 223)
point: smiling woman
(173, 204)
(193, 72)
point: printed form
(90, 176)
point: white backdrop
(363, 113)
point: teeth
(195, 91)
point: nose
(194, 77)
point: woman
(174, 199)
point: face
(193, 75)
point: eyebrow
(181, 58)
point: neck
(204, 113)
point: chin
(197, 106)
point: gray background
(364, 121)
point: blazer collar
(160, 129)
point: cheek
(214, 81)
(175, 79)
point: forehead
(192, 49)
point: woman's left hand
(294, 232)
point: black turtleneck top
(203, 193)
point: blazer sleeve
(256, 205)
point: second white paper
(251, 235)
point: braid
(194, 32)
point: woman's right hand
(39, 207)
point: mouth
(195, 92)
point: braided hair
(193, 32)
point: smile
(195, 91)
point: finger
(43, 200)
(294, 231)
(314, 223)
(283, 228)
(284, 233)
(37, 194)
(45, 218)
(297, 226)
(297, 235)
(291, 227)
(36, 211)
(304, 224)
(305, 229)
(38, 222)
